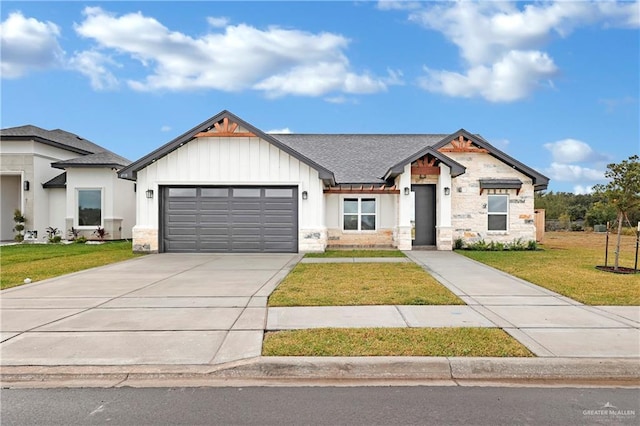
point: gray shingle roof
(57, 137)
(59, 181)
(358, 158)
(100, 159)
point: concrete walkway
(156, 309)
(549, 324)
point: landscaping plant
(20, 220)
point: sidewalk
(549, 324)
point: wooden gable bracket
(462, 145)
(423, 166)
(226, 129)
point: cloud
(580, 189)
(500, 43)
(275, 61)
(615, 103)
(570, 151)
(28, 44)
(513, 77)
(573, 173)
(165, 128)
(284, 130)
(93, 64)
(398, 5)
(218, 22)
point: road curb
(266, 369)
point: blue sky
(554, 84)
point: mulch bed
(621, 269)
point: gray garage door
(229, 219)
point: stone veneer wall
(382, 238)
(469, 208)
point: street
(321, 405)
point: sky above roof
(553, 84)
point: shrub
(458, 244)
(532, 245)
(81, 239)
(74, 233)
(101, 233)
(52, 234)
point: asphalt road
(322, 405)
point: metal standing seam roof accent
(58, 138)
(500, 183)
(131, 170)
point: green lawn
(41, 261)
(480, 342)
(566, 265)
(340, 284)
(358, 253)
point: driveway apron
(156, 309)
(548, 323)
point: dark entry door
(425, 215)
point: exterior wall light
(407, 190)
(25, 185)
(305, 195)
(447, 190)
(149, 193)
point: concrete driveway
(156, 309)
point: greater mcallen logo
(610, 410)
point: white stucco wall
(57, 211)
(469, 208)
(230, 161)
(117, 198)
(32, 160)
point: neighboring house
(226, 186)
(58, 179)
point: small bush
(81, 239)
(532, 245)
(458, 244)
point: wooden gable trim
(226, 129)
(362, 189)
(425, 166)
(462, 145)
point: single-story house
(226, 186)
(61, 180)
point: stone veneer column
(145, 240)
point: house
(226, 186)
(60, 180)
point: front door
(425, 215)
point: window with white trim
(89, 207)
(498, 211)
(359, 214)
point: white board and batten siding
(234, 161)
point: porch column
(444, 231)
(403, 228)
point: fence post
(606, 247)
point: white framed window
(497, 212)
(89, 207)
(359, 214)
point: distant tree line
(564, 210)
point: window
(359, 214)
(498, 212)
(89, 207)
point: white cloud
(276, 61)
(284, 130)
(495, 37)
(511, 78)
(398, 5)
(580, 189)
(573, 173)
(218, 22)
(93, 64)
(570, 151)
(28, 44)
(165, 128)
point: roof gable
(463, 141)
(100, 159)
(223, 124)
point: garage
(229, 219)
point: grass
(471, 342)
(566, 265)
(42, 261)
(344, 284)
(358, 253)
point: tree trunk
(615, 265)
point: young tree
(622, 191)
